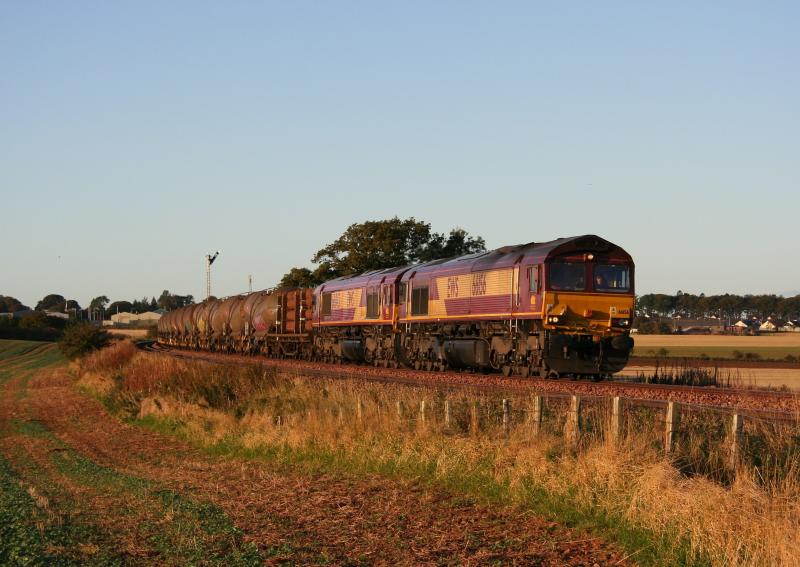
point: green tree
(52, 302)
(458, 243)
(299, 277)
(171, 301)
(81, 338)
(119, 307)
(98, 303)
(10, 304)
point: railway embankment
(693, 482)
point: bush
(82, 338)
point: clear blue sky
(136, 137)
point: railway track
(782, 405)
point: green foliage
(34, 326)
(170, 301)
(119, 307)
(98, 303)
(52, 302)
(10, 304)
(300, 277)
(81, 338)
(374, 245)
(647, 326)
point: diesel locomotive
(551, 309)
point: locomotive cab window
(611, 278)
(569, 276)
(533, 279)
(326, 304)
(419, 301)
(373, 303)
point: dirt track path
(149, 496)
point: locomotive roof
(506, 256)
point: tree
(82, 338)
(458, 243)
(10, 304)
(171, 301)
(98, 303)
(119, 307)
(52, 302)
(299, 277)
(374, 245)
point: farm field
(773, 347)
(78, 486)
(744, 377)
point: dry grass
(788, 378)
(109, 359)
(749, 518)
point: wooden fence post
(359, 411)
(536, 414)
(473, 418)
(737, 421)
(671, 422)
(506, 412)
(573, 424)
(422, 411)
(616, 418)
(399, 409)
(447, 413)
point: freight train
(551, 309)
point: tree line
(57, 303)
(729, 306)
(38, 325)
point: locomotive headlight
(552, 319)
(620, 322)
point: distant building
(771, 325)
(126, 318)
(745, 327)
(791, 327)
(58, 314)
(706, 326)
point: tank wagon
(559, 308)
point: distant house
(771, 325)
(745, 327)
(791, 327)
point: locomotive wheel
(506, 370)
(524, 371)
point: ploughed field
(79, 486)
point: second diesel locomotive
(551, 309)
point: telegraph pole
(210, 260)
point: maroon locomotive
(554, 308)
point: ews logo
(478, 284)
(452, 287)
